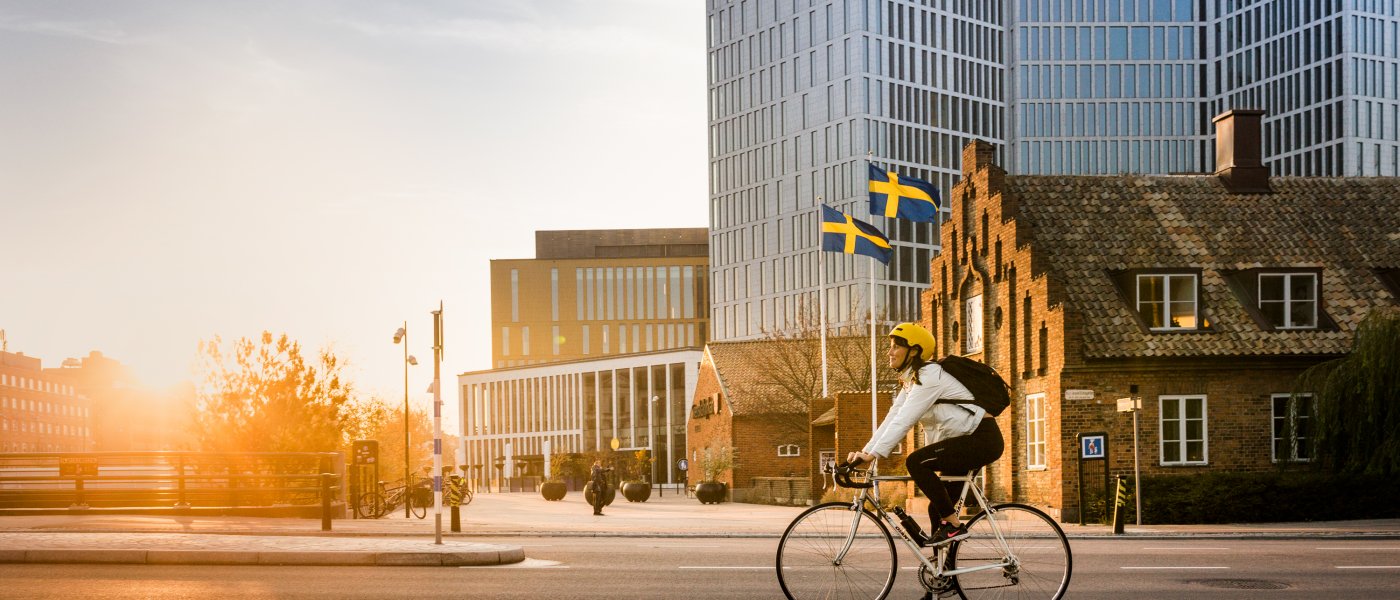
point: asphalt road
(734, 568)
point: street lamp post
(402, 336)
(661, 488)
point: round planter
(554, 490)
(636, 491)
(608, 496)
(710, 492)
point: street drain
(1243, 584)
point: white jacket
(917, 403)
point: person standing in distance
(599, 477)
(961, 436)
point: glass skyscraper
(801, 90)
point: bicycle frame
(871, 495)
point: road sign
(1091, 446)
(365, 452)
(77, 466)
(1129, 404)
(683, 464)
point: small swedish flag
(841, 233)
(894, 195)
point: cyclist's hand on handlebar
(856, 459)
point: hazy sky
(175, 170)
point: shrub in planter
(608, 495)
(712, 465)
(636, 491)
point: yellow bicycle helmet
(914, 335)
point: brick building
(39, 411)
(1204, 295)
(756, 398)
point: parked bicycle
(846, 550)
(375, 504)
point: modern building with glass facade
(590, 293)
(801, 90)
(510, 415)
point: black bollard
(326, 479)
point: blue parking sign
(1091, 446)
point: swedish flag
(841, 233)
(894, 195)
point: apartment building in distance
(595, 339)
(593, 293)
(39, 411)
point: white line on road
(677, 545)
(728, 568)
(1370, 567)
(1360, 548)
(528, 563)
(1179, 548)
(1168, 568)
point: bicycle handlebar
(842, 473)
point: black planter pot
(554, 490)
(710, 492)
(636, 491)
(608, 496)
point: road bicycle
(375, 504)
(846, 550)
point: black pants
(955, 456)
(598, 491)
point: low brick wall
(780, 490)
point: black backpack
(989, 390)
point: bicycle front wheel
(371, 506)
(832, 551)
(1036, 556)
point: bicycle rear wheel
(415, 504)
(1036, 547)
(807, 555)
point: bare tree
(788, 371)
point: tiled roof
(1086, 228)
(748, 369)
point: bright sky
(170, 171)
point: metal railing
(271, 483)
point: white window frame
(1166, 299)
(1290, 427)
(973, 321)
(1287, 300)
(1181, 425)
(789, 450)
(1035, 432)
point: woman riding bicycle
(961, 436)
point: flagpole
(821, 291)
(874, 411)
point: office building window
(1035, 432)
(554, 294)
(514, 295)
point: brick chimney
(1239, 152)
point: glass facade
(641, 400)
(800, 91)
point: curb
(303, 559)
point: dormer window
(1289, 300)
(1168, 302)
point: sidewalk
(394, 540)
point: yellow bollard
(1119, 503)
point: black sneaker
(946, 532)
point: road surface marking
(528, 563)
(1180, 548)
(727, 568)
(677, 545)
(1169, 568)
(1370, 567)
(1359, 548)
